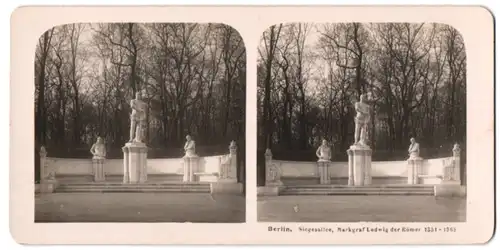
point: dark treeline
(192, 76)
(310, 75)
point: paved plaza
(139, 207)
(361, 208)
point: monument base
(324, 175)
(190, 168)
(135, 156)
(414, 166)
(360, 160)
(226, 187)
(268, 191)
(449, 189)
(48, 186)
(98, 168)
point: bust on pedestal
(135, 151)
(190, 160)
(324, 156)
(360, 154)
(98, 151)
(414, 162)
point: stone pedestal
(273, 176)
(450, 190)
(48, 186)
(98, 168)
(226, 187)
(135, 155)
(324, 174)
(190, 167)
(414, 169)
(360, 161)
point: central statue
(137, 118)
(361, 121)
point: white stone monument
(414, 162)
(452, 171)
(451, 184)
(135, 151)
(273, 177)
(98, 151)
(360, 154)
(48, 182)
(228, 180)
(324, 156)
(190, 159)
(228, 166)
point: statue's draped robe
(99, 150)
(138, 118)
(190, 148)
(414, 150)
(324, 153)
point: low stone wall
(64, 166)
(219, 170)
(383, 172)
(440, 171)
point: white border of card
(474, 23)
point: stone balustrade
(207, 169)
(411, 171)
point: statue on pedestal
(324, 152)
(456, 150)
(98, 149)
(361, 121)
(414, 149)
(137, 118)
(190, 147)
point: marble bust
(456, 149)
(361, 121)
(190, 147)
(137, 118)
(98, 149)
(324, 152)
(414, 149)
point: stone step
(132, 188)
(336, 192)
(136, 190)
(361, 190)
(329, 189)
(139, 187)
(391, 186)
(157, 184)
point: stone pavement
(361, 208)
(139, 207)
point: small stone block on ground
(268, 191)
(226, 188)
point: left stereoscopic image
(139, 122)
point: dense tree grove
(192, 76)
(310, 75)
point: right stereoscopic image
(361, 122)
